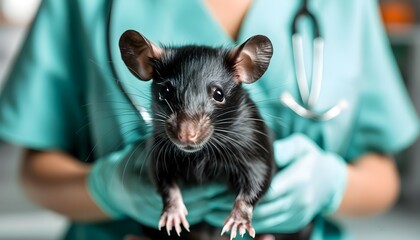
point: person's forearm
(372, 187)
(57, 182)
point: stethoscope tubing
(142, 111)
(309, 95)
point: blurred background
(20, 219)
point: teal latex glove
(119, 183)
(312, 182)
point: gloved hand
(311, 182)
(119, 183)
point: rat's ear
(137, 53)
(251, 59)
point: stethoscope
(309, 96)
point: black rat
(206, 122)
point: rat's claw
(227, 226)
(177, 223)
(162, 221)
(251, 230)
(169, 225)
(185, 223)
(242, 230)
(233, 231)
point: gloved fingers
(289, 180)
(286, 222)
(275, 207)
(290, 148)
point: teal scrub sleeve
(387, 121)
(40, 105)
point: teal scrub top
(68, 88)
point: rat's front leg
(240, 218)
(251, 184)
(174, 211)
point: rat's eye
(165, 92)
(218, 95)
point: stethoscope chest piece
(288, 100)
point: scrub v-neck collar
(209, 17)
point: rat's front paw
(239, 220)
(174, 216)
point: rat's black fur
(240, 137)
(191, 71)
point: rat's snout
(189, 132)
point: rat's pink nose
(188, 132)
